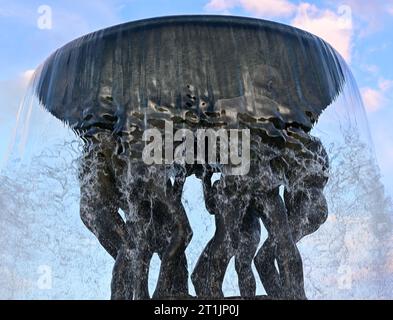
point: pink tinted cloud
(261, 8)
(373, 99)
(270, 8)
(371, 15)
(334, 27)
(220, 5)
(376, 99)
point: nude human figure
(210, 270)
(159, 225)
(102, 195)
(306, 207)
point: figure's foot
(291, 296)
(174, 297)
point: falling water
(129, 78)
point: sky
(359, 29)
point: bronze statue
(241, 243)
(197, 72)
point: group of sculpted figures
(156, 221)
(209, 72)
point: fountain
(199, 79)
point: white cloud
(261, 8)
(371, 15)
(269, 8)
(377, 98)
(334, 27)
(220, 5)
(373, 99)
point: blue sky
(359, 29)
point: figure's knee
(95, 218)
(199, 279)
(243, 268)
(260, 258)
(184, 231)
(286, 245)
(195, 277)
(320, 211)
(188, 234)
(267, 252)
(200, 271)
(246, 251)
(97, 207)
(89, 219)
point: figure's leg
(99, 212)
(141, 229)
(210, 270)
(209, 273)
(247, 284)
(104, 221)
(249, 241)
(121, 286)
(206, 277)
(99, 206)
(144, 259)
(264, 263)
(200, 274)
(180, 285)
(179, 288)
(179, 240)
(163, 227)
(140, 271)
(288, 257)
